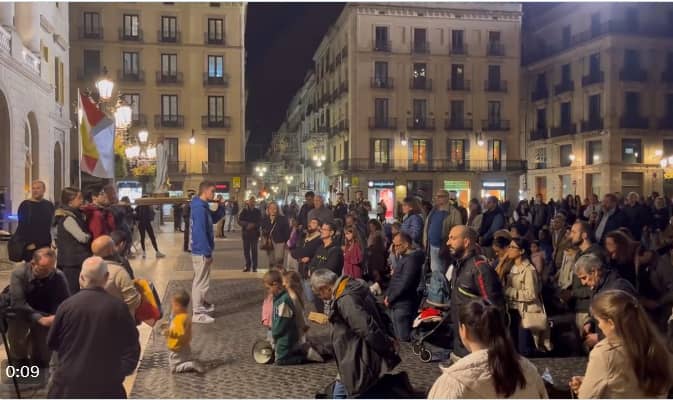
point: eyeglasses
(513, 246)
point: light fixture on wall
(658, 152)
(403, 139)
(571, 157)
(479, 138)
(192, 140)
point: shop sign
(493, 184)
(222, 187)
(456, 185)
(236, 182)
(386, 184)
(355, 181)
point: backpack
(149, 310)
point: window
(594, 152)
(131, 26)
(540, 158)
(595, 24)
(420, 151)
(420, 112)
(215, 108)
(631, 60)
(632, 152)
(457, 40)
(381, 73)
(169, 65)
(631, 104)
(381, 111)
(565, 73)
(494, 153)
(133, 100)
(493, 37)
(91, 62)
(541, 82)
(419, 76)
(215, 30)
(172, 145)
(381, 38)
(565, 152)
(595, 107)
(566, 36)
(420, 40)
(541, 119)
(131, 64)
(493, 113)
(458, 151)
(169, 107)
(215, 151)
(457, 76)
(566, 116)
(215, 66)
(457, 111)
(91, 24)
(494, 77)
(169, 29)
(595, 64)
(381, 151)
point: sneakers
(160, 254)
(202, 319)
(208, 307)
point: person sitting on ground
(293, 284)
(179, 336)
(492, 369)
(119, 283)
(36, 289)
(284, 329)
(632, 360)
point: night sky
(280, 42)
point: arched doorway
(58, 172)
(5, 163)
(32, 151)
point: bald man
(471, 278)
(118, 282)
(95, 338)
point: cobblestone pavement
(226, 345)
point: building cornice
(17, 67)
(449, 12)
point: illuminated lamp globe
(105, 86)
(123, 115)
(143, 135)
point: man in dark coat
(302, 218)
(402, 297)
(340, 209)
(613, 218)
(35, 219)
(637, 215)
(250, 221)
(361, 334)
(307, 247)
(95, 338)
(328, 255)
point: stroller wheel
(416, 348)
(426, 355)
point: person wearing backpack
(471, 278)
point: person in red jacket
(352, 254)
(99, 218)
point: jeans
(436, 263)
(277, 255)
(339, 391)
(403, 315)
(522, 338)
(28, 340)
(201, 282)
(250, 251)
(147, 227)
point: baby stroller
(432, 331)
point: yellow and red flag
(96, 133)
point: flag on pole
(96, 133)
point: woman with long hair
(376, 253)
(276, 227)
(522, 211)
(412, 221)
(73, 238)
(621, 252)
(493, 369)
(632, 361)
(352, 254)
(475, 217)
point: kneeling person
(179, 336)
(284, 329)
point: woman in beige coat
(493, 369)
(632, 361)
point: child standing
(284, 329)
(179, 336)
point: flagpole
(79, 144)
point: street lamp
(123, 114)
(192, 140)
(104, 86)
(143, 136)
(571, 157)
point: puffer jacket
(72, 237)
(470, 378)
(362, 336)
(412, 225)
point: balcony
(563, 87)
(213, 39)
(634, 122)
(223, 167)
(540, 93)
(458, 85)
(131, 76)
(495, 49)
(567, 128)
(85, 75)
(176, 168)
(667, 76)
(421, 123)
(382, 123)
(495, 86)
(131, 36)
(139, 120)
(633, 75)
(420, 48)
(538, 134)
(169, 121)
(383, 46)
(458, 49)
(593, 124)
(593, 78)
(436, 165)
(168, 36)
(458, 124)
(666, 122)
(92, 32)
(215, 122)
(495, 124)
(420, 84)
(382, 83)
(209, 80)
(169, 79)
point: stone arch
(5, 159)
(57, 183)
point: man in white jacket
(119, 282)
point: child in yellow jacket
(179, 336)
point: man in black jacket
(637, 215)
(471, 278)
(401, 297)
(96, 340)
(613, 218)
(340, 209)
(250, 220)
(302, 218)
(328, 255)
(35, 217)
(307, 247)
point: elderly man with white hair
(320, 212)
(95, 338)
(119, 282)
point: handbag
(267, 242)
(534, 320)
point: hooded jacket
(470, 378)
(201, 226)
(361, 334)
